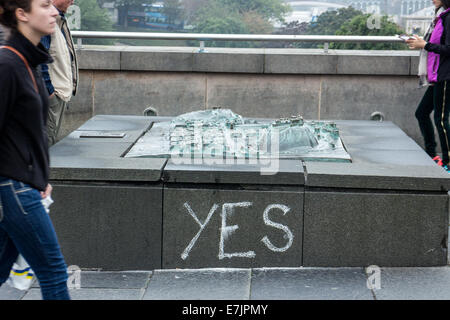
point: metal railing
(202, 37)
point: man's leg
(56, 110)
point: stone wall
(268, 83)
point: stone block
(310, 284)
(373, 64)
(356, 98)
(228, 62)
(414, 284)
(117, 123)
(106, 169)
(111, 280)
(86, 148)
(93, 294)
(157, 61)
(98, 59)
(259, 97)
(349, 229)
(414, 65)
(392, 157)
(9, 293)
(319, 63)
(169, 93)
(109, 227)
(402, 143)
(381, 176)
(232, 228)
(204, 284)
(277, 172)
(367, 128)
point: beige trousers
(56, 110)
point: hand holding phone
(406, 37)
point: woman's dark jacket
(23, 114)
(443, 50)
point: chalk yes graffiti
(226, 231)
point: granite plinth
(389, 206)
(232, 228)
(386, 229)
(113, 227)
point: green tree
(268, 9)
(94, 18)
(173, 11)
(237, 17)
(331, 21)
(362, 25)
(326, 24)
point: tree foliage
(365, 25)
(93, 17)
(329, 22)
(173, 11)
(237, 17)
(268, 9)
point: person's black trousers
(437, 99)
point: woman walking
(25, 227)
(434, 70)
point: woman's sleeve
(7, 92)
(441, 49)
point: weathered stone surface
(382, 176)
(414, 284)
(106, 169)
(385, 229)
(310, 284)
(109, 227)
(99, 59)
(253, 96)
(111, 280)
(156, 61)
(117, 123)
(317, 63)
(236, 232)
(169, 93)
(214, 284)
(9, 293)
(277, 172)
(87, 148)
(233, 62)
(93, 294)
(356, 98)
(373, 64)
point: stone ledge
(259, 61)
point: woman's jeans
(437, 99)
(25, 227)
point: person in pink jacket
(436, 46)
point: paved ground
(255, 284)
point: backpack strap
(26, 64)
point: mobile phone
(405, 37)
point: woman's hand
(47, 192)
(416, 43)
